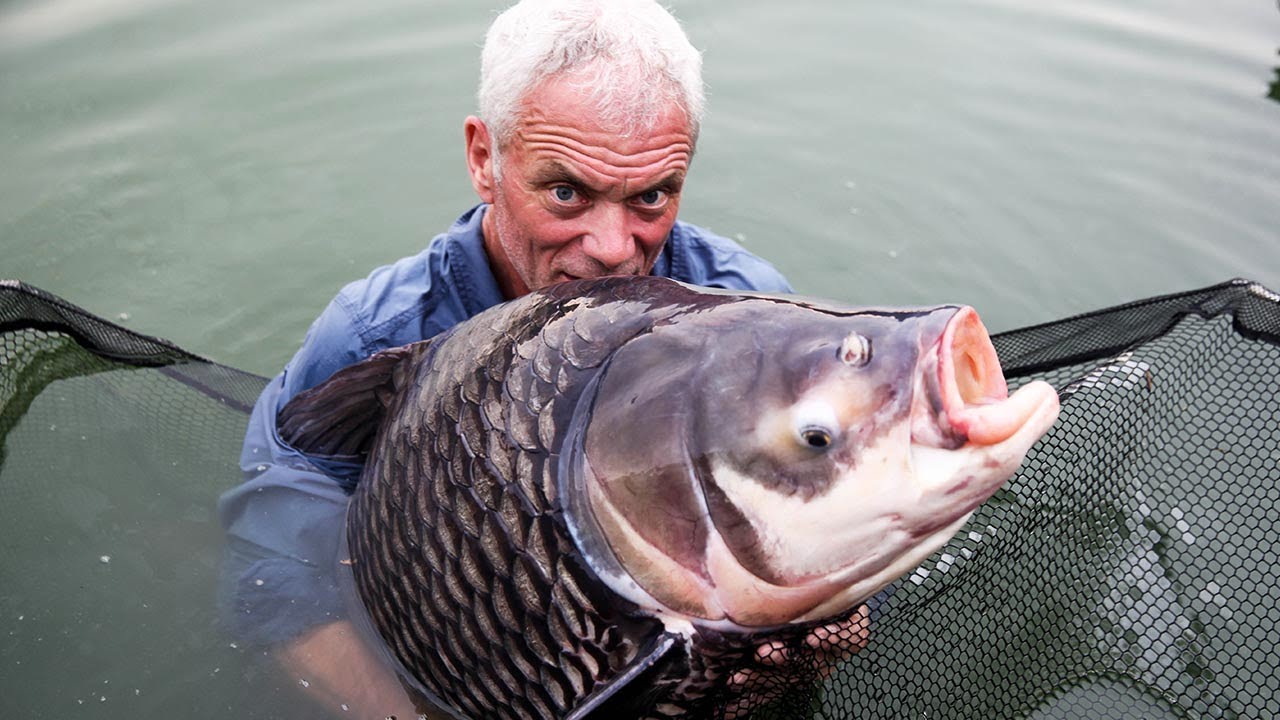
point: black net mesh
(113, 450)
(1129, 570)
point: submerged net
(113, 450)
(1129, 569)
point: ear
(480, 151)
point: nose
(609, 240)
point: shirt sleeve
(333, 342)
(744, 271)
(283, 523)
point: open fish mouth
(968, 398)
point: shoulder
(418, 296)
(391, 300)
(701, 257)
(360, 319)
(409, 300)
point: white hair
(631, 58)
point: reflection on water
(32, 23)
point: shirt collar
(670, 260)
(469, 267)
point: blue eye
(564, 193)
(652, 197)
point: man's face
(576, 199)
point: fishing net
(113, 450)
(1129, 569)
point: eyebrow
(671, 184)
(555, 172)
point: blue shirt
(284, 522)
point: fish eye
(818, 438)
(815, 425)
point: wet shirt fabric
(284, 522)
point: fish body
(601, 496)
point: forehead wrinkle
(555, 159)
(655, 149)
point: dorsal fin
(339, 418)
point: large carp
(601, 496)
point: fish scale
(542, 612)
(509, 622)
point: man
(589, 114)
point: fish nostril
(855, 350)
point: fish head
(767, 462)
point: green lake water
(213, 173)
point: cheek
(537, 229)
(525, 212)
(651, 235)
(548, 233)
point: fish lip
(968, 367)
(962, 397)
(962, 393)
(975, 395)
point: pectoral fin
(635, 689)
(340, 417)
